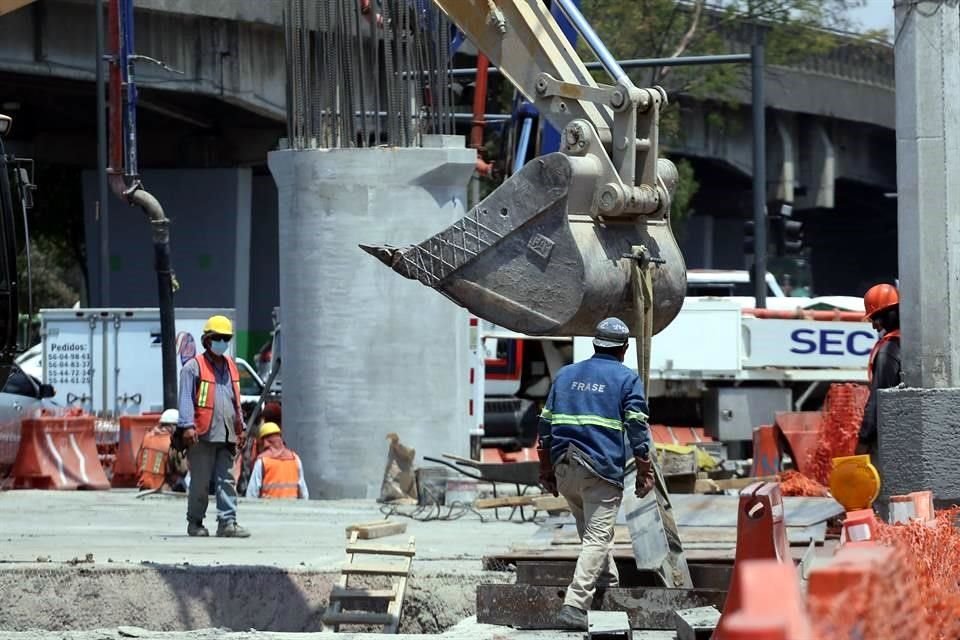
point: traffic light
(749, 238)
(791, 237)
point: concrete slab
(117, 527)
(147, 572)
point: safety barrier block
(58, 452)
(767, 604)
(132, 431)
(859, 527)
(766, 451)
(761, 535)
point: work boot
(572, 618)
(197, 530)
(231, 530)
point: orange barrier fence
(800, 314)
(58, 452)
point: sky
(877, 14)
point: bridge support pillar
(919, 424)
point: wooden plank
(507, 501)
(717, 486)
(375, 569)
(339, 593)
(550, 503)
(378, 529)
(534, 607)
(358, 617)
(395, 608)
(380, 550)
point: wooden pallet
(356, 605)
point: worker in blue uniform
(595, 414)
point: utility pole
(919, 426)
(759, 170)
(103, 194)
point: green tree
(793, 31)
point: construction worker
(212, 426)
(583, 456)
(882, 307)
(277, 473)
(153, 458)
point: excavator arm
(555, 248)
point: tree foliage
(792, 31)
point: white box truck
(107, 361)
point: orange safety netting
(842, 415)
(934, 552)
(794, 483)
(914, 597)
(880, 605)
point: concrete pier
(366, 353)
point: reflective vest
(207, 391)
(281, 474)
(887, 337)
(152, 460)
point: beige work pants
(594, 504)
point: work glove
(190, 437)
(645, 479)
(548, 479)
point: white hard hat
(170, 416)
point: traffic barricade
(130, 438)
(761, 535)
(768, 605)
(58, 452)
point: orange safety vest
(281, 475)
(207, 391)
(152, 460)
(887, 337)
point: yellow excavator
(574, 236)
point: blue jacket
(590, 405)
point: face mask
(219, 347)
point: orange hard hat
(879, 298)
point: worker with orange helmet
(278, 472)
(882, 307)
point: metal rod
(759, 173)
(523, 145)
(593, 40)
(103, 194)
(639, 63)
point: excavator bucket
(527, 259)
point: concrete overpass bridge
(831, 146)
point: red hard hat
(879, 298)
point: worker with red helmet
(882, 307)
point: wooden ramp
(371, 605)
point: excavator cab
(14, 201)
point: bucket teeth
(387, 254)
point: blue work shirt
(225, 417)
(590, 406)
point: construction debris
(697, 624)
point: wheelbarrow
(522, 475)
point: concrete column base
(919, 438)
